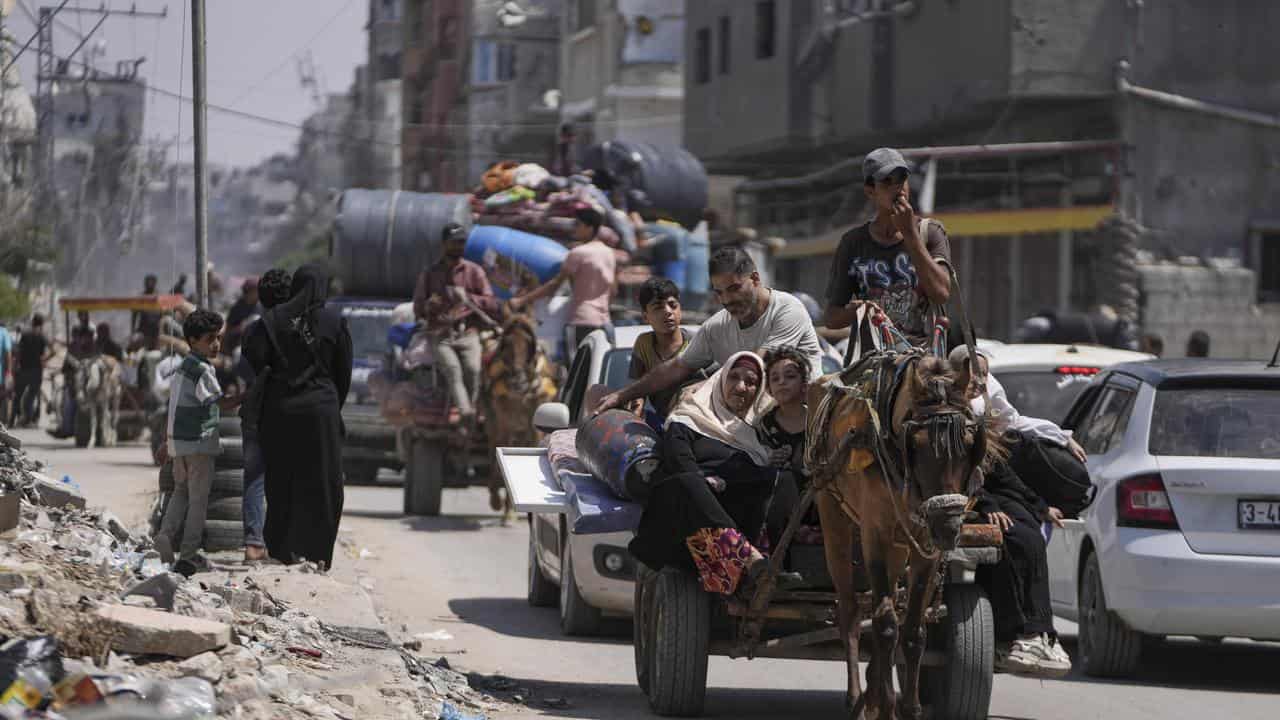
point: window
(584, 15)
(702, 56)
(726, 46)
(493, 62)
(1217, 422)
(1043, 394)
(1106, 424)
(766, 29)
(617, 368)
(575, 388)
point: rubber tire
(541, 592)
(1108, 647)
(578, 618)
(230, 509)
(222, 535)
(83, 429)
(129, 431)
(642, 626)
(227, 483)
(424, 478)
(961, 688)
(229, 426)
(165, 478)
(681, 634)
(232, 455)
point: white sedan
(1184, 535)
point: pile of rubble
(94, 626)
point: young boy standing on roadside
(194, 411)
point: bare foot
(253, 553)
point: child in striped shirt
(194, 412)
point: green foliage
(14, 303)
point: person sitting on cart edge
(897, 260)
(782, 429)
(591, 269)
(660, 305)
(453, 300)
(754, 316)
(712, 485)
(1018, 584)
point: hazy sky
(252, 46)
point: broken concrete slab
(160, 588)
(207, 666)
(53, 493)
(112, 524)
(239, 599)
(9, 438)
(10, 511)
(151, 632)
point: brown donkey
(895, 452)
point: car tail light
(1076, 370)
(1142, 502)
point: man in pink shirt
(591, 269)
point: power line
(32, 39)
(290, 57)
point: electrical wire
(253, 87)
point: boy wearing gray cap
(897, 261)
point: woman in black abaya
(305, 349)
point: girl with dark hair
(307, 347)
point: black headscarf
(301, 313)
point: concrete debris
(151, 632)
(160, 588)
(205, 665)
(233, 641)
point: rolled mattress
(621, 450)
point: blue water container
(514, 260)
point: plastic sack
(26, 660)
(530, 175)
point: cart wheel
(424, 478)
(577, 616)
(681, 635)
(642, 626)
(542, 592)
(960, 689)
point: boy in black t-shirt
(897, 261)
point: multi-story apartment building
(474, 88)
(792, 92)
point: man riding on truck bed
(445, 301)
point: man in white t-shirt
(754, 318)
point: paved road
(463, 573)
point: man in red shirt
(445, 301)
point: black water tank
(382, 239)
(673, 181)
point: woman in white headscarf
(709, 496)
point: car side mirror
(552, 416)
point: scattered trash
(305, 651)
(437, 635)
(365, 554)
(449, 712)
(29, 669)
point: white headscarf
(704, 410)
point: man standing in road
(754, 318)
(445, 301)
(241, 313)
(897, 261)
(591, 269)
(33, 353)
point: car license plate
(1259, 514)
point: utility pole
(201, 149)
